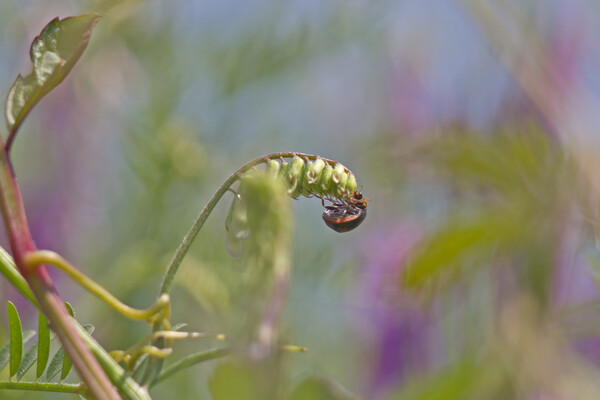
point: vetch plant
(258, 226)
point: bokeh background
(472, 127)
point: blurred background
(472, 127)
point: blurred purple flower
(395, 328)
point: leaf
(53, 53)
(319, 389)
(5, 351)
(27, 362)
(16, 337)
(67, 363)
(43, 349)
(32, 354)
(190, 360)
(231, 381)
(467, 241)
(55, 364)
(69, 308)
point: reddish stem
(21, 243)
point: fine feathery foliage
(520, 178)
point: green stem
(42, 387)
(171, 335)
(127, 385)
(191, 360)
(9, 270)
(132, 354)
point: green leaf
(55, 364)
(231, 381)
(53, 53)
(67, 363)
(4, 356)
(43, 349)
(28, 360)
(69, 308)
(190, 360)
(469, 241)
(16, 337)
(319, 389)
(5, 351)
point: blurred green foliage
(509, 190)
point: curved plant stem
(159, 310)
(9, 270)
(199, 222)
(191, 360)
